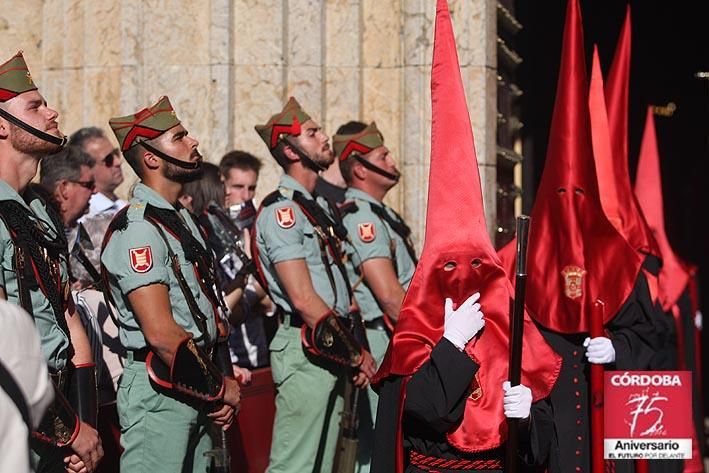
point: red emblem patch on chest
(141, 259)
(367, 232)
(285, 217)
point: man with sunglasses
(35, 276)
(68, 177)
(107, 172)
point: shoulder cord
(44, 256)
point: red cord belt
(435, 464)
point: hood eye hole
(561, 190)
(449, 266)
(579, 191)
(476, 263)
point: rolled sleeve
(283, 243)
(369, 237)
(137, 257)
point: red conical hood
(648, 188)
(627, 218)
(456, 235)
(575, 255)
(602, 151)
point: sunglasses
(86, 184)
(110, 158)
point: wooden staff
(597, 461)
(516, 332)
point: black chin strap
(170, 159)
(304, 158)
(377, 169)
(55, 140)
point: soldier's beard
(324, 158)
(29, 144)
(183, 176)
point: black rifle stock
(516, 333)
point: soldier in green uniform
(160, 277)
(297, 249)
(381, 258)
(34, 274)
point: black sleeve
(538, 440)
(387, 425)
(436, 393)
(633, 332)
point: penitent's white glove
(599, 350)
(463, 323)
(517, 401)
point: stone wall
(229, 64)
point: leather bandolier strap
(339, 339)
(399, 227)
(333, 232)
(192, 371)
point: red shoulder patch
(285, 217)
(141, 259)
(367, 232)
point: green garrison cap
(287, 122)
(15, 78)
(360, 143)
(144, 125)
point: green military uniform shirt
(55, 342)
(372, 237)
(283, 233)
(138, 256)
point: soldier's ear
(358, 170)
(150, 161)
(290, 154)
(4, 129)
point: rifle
(221, 459)
(231, 256)
(516, 333)
(347, 438)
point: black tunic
(665, 357)
(690, 363)
(435, 404)
(635, 340)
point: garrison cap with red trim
(15, 78)
(358, 143)
(286, 122)
(144, 125)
